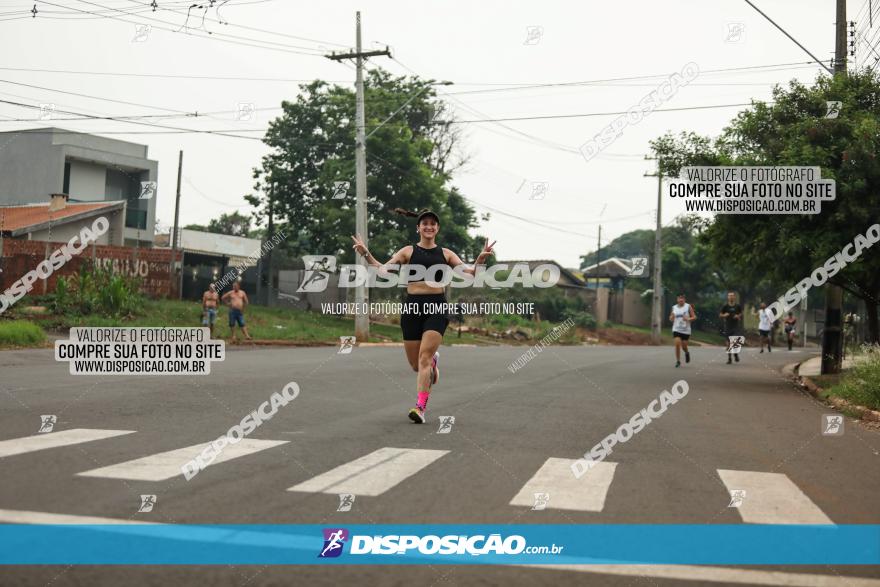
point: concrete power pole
(361, 319)
(832, 335)
(657, 298)
(598, 260)
(840, 39)
(174, 233)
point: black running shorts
(419, 315)
(681, 335)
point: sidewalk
(813, 367)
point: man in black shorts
(731, 321)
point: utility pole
(840, 39)
(361, 319)
(266, 267)
(657, 298)
(174, 232)
(598, 260)
(832, 335)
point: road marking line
(372, 474)
(28, 517)
(26, 444)
(567, 492)
(137, 527)
(165, 465)
(772, 498)
(719, 575)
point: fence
(151, 266)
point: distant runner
(210, 300)
(731, 321)
(790, 328)
(681, 316)
(237, 300)
(765, 323)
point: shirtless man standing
(210, 300)
(237, 300)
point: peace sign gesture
(359, 247)
(487, 252)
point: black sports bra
(426, 258)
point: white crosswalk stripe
(768, 498)
(772, 498)
(565, 492)
(165, 465)
(26, 444)
(372, 474)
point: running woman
(790, 328)
(423, 328)
(681, 316)
(731, 314)
(765, 323)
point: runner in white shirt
(681, 316)
(765, 323)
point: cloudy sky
(95, 58)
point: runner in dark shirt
(731, 321)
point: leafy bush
(61, 299)
(861, 384)
(582, 319)
(509, 320)
(96, 290)
(21, 333)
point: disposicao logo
(334, 540)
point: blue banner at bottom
(541, 544)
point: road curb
(838, 403)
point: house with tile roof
(90, 169)
(57, 220)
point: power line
(266, 31)
(171, 76)
(125, 102)
(345, 81)
(778, 67)
(207, 197)
(590, 114)
(520, 135)
(784, 32)
(218, 133)
(249, 42)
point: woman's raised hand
(359, 247)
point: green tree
(234, 224)
(409, 162)
(793, 130)
(625, 246)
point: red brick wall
(152, 266)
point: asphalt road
(745, 418)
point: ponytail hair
(407, 213)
